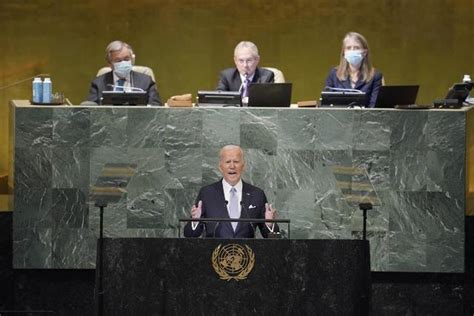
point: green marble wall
(415, 161)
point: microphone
(23, 80)
(125, 89)
(218, 223)
(242, 206)
(327, 88)
(243, 83)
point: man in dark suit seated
(231, 198)
(246, 60)
(120, 57)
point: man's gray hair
(247, 44)
(230, 147)
(117, 46)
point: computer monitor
(124, 98)
(392, 96)
(342, 98)
(459, 91)
(219, 98)
(276, 95)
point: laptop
(396, 96)
(276, 95)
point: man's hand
(270, 213)
(196, 213)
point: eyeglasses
(246, 61)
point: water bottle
(47, 88)
(37, 90)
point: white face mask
(354, 57)
(123, 68)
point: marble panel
(33, 168)
(108, 127)
(146, 129)
(371, 130)
(297, 129)
(33, 127)
(183, 129)
(32, 247)
(71, 127)
(308, 162)
(69, 208)
(220, 127)
(258, 130)
(295, 169)
(334, 129)
(70, 167)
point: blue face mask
(354, 57)
(123, 68)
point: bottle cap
(37, 79)
(466, 78)
(47, 79)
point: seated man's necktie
(119, 85)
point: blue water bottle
(37, 90)
(47, 88)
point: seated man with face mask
(120, 58)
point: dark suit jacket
(214, 206)
(229, 79)
(138, 80)
(371, 88)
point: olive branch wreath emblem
(228, 274)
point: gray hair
(230, 147)
(249, 45)
(117, 46)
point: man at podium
(231, 198)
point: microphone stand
(100, 252)
(23, 80)
(365, 207)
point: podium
(166, 276)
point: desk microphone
(124, 89)
(218, 223)
(242, 84)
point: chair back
(279, 77)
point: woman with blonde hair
(355, 70)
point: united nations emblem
(233, 261)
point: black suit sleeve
(94, 92)
(330, 79)
(377, 83)
(267, 76)
(223, 84)
(153, 95)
